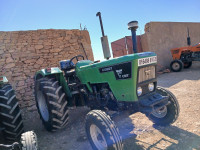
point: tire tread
(10, 113)
(57, 103)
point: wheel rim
(175, 66)
(43, 106)
(98, 137)
(160, 113)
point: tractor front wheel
(29, 141)
(167, 114)
(176, 65)
(51, 103)
(187, 64)
(10, 114)
(101, 131)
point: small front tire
(176, 65)
(101, 131)
(29, 141)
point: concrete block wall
(22, 53)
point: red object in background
(48, 70)
(124, 46)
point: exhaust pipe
(104, 40)
(133, 25)
(188, 37)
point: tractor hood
(81, 65)
(121, 74)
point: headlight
(139, 91)
(151, 87)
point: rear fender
(58, 74)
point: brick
(9, 59)
(40, 61)
(1, 51)
(20, 83)
(39, 46)
(10, 65)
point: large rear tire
(51, 103)
(176, 65)
(168, 114)
(29, 141)
(101, 131)
(10, 114)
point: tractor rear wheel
(51, 103)
(187, 64)
(10, 114)
(176, 65)
(101, 131)
(29, 141)
(167, 114)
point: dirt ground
(137, 131)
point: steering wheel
(78, 56)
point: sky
(17, 15)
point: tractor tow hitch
(14, 146)
(152, 103)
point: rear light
(48, 70)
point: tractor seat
(70, 73)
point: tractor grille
(146, 73)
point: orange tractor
(183, 56)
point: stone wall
(22, 53)
(160, 37)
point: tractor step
(72, 84)
(74, 92)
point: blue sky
(68, 14)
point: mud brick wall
(22, 53)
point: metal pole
(126, 45)
(101, 24)
(104, 40)
(134, 39)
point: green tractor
(126, 83)
(11, 123)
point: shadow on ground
(185, 140)
(172, 137)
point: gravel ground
(137, 131)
